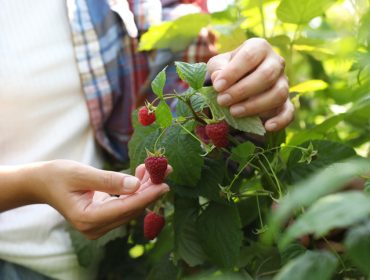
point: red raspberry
(200, 131)
(156, 166)
(153, 224)
(218, 133)
(145, 117)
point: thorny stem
(188, 103)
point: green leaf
(358, 246)
(326, 181)
(213, 174)
(308, 86)
(159, 82)
(90, 251)
(197, 102)
(183, 153)
(242, 153)
(174, 35)
(164, 269)
(163, 114)
(246, 124)
(317, 152)
(143, 138)
(309, 266)
(193, 74)
(220, 232)
(187, 242)
(333, 211)
(301, 11)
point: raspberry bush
(286, 205)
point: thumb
(109, 181)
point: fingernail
(237, 110)
(219, 85)
(130, 183)
(271, 126)
(224, 99)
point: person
(69, 77)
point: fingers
(237, 64)
(262, 79)
(89, 178)
(118, 210)
(284, 117)
(271, 99)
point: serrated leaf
(193, 74)
(212, 175)
(301, 11)
(319, 158)
(187, 242)
(220, 232)
(163, 114)
(183, 109)
(246, 124)
(304, 193)
(197, 102)
(333, 211)
(242, 153)
(143, 138)
(174, 35)
(159, 82)
(358, 246)
(183, 153)
(310, 266)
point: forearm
(18, 185)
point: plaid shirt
(113, 74)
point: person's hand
(251, 81)
(82, 194)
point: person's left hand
(251, 81)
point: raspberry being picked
(153, 225)
(145, 116)
(156, 164)
(218, 133)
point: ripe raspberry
(200, 131)
(156, 166)
(153, 224)
(145, 117)
(218, 133)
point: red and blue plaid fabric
(112, 71)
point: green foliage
(184, 29)
(301, 11)
(332, 211)
(309, 266)
(193, 74)
(358, 246)
(246, 124)
(270, 205)
(220, 234)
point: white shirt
(43, 116)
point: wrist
(19, 185)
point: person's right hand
(82, 194)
